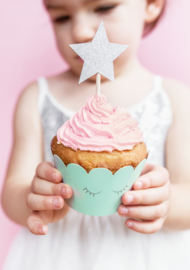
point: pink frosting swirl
(98, 126)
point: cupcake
(100, 153)
(100, 136)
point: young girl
(157, 209)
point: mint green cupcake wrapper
(99, 192)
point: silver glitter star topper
(98, 56)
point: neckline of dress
(69, 112)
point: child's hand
(149, 201)
(46, 198)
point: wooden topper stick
(98, 82)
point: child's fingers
(45, 170)
(152, 196)
(147, 168)
(150, 167)
(155, 178)
(40, 202)
(152, 212)
(37, 221)
(146, 227)
(43, 187)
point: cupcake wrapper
(99, 192)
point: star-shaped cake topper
(98, 55)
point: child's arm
(178, 156)
(29, 180)
(157, 202)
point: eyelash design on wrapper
(120, 190)
(91, 193)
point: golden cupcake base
(90, 160)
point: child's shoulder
(179, 95)
(28, 97)
(26, 111)
(176, 88)
(31, 92)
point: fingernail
(43, 230)
(54, 176)
(124, 211)
(139, 185)
(129, 198)
(56, 202)
(129, 224)
(64, 191)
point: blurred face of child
(76, 21)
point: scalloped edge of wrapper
(99, 192)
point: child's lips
(80, 59)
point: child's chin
(93, 79)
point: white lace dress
(81, 242)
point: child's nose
(83, 30)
